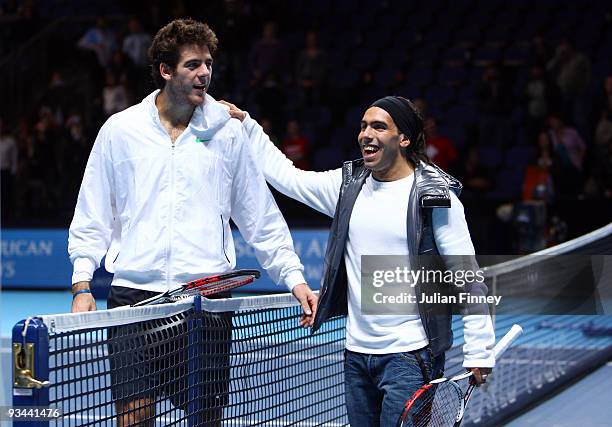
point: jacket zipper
(171, 221)
(223, 239)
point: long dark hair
(416, 151)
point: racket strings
(209, 288)
(438, 407)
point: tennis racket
(442, 402)
(205, 286)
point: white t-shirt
(378, 227)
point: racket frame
(206, 286)
(499, 349)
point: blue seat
(455, 131)
(327, 158)
(491, 157)
(462, 114)
(519, 157)
(487, 54)
(420, 76)
(364, 59)
(452, 75)
(509, 184)
(455, 54)
(517, 54)
(439, 94)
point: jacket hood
(207, 118)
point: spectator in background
(115, 96)
(136, 44)
(120, 66)
(475, 176)
(296, 146)
(538, 180)
(57, 97)
(540, 50)
(267, 56)
(569, 149)
(43, 163)
(78, 146)
(268, 65)
(311, 71)
(270, 97)
(8, 167)
(599, 183)
(603, 100)
(440, 149)
(529, 217)
(541, 94)
(572, 71)
(494, 102)
(25, 151)
(603, 129)
(135, 47)
(101, 40)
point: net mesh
(246, 361)
(232, 367)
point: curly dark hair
(168, 41)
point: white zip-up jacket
(167, 207)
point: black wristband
(82, 291)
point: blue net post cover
(30, 342)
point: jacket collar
(433, 185)
(206, 120)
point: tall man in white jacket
(391, 202)
(164, 178)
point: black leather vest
(430, 190)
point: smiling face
(189, 81)
(381, 141)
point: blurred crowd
(533, 122)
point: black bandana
(404, 114)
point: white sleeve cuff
(293, 279)
(83, 270)
(488, 362)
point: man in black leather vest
(393, 201)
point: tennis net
(242, 361)
(246, 361)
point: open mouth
(369, 151)
(200, 87)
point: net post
(195, 403)
(30, 362)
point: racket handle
(508, 339)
